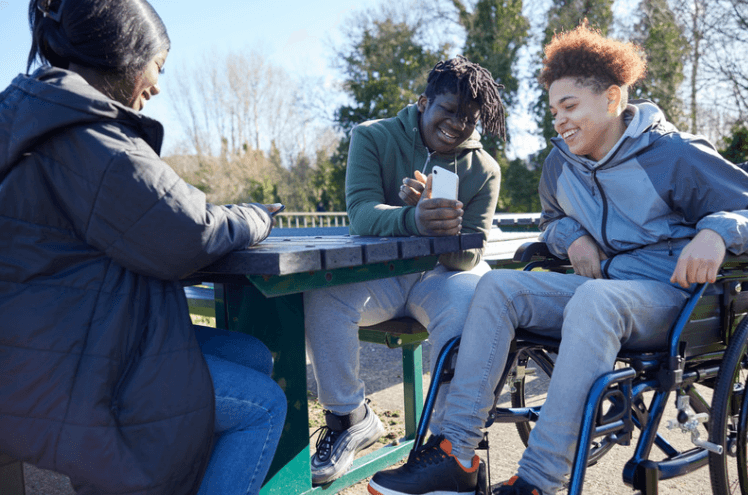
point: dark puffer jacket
(101, 377)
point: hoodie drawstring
(428, 159)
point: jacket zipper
(605, 209)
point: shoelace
(325, 441)
(429, 454)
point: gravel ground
(381, 370)
(381, 367)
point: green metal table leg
(413, 386)
(279, 323)
(248, 311)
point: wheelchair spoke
(729, 472)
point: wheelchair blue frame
(677, 369)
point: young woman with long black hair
(102, 375)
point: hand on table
(412, 188)
(272, 208)
(585, 256)
(437, 216)
(700, 260)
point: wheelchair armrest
(735, 262)
(530, 251)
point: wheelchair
(707, 349)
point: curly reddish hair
(593, 59)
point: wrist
(712, 237)
(411, 221)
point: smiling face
(442, 131)
(145, 85)
(590, 123)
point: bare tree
(716, 43)
(731, 61)
(241, 102)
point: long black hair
(114, 37)
(470, 82)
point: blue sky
(298, 35)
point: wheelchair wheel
(728, 471)
(531, 390)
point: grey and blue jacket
(642, 203)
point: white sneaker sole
(346, 459)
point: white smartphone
(444, 183)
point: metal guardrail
(312, 219)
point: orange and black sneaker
(516, 486)
(430, 470)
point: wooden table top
(298, 254)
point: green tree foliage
(496, 30)
(736, 146)
(662, 39)
(329, 183)
(519, 188)
(386, 64)
(385, 68)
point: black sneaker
(339, 441)
(516, 486)
(430, 470)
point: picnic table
(259, 291)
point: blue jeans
(250, 411)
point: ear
(614, 94)
(422, 103)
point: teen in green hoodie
(388, 194)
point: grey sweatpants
(593, 319)
(439, 299)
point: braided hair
(470, 82)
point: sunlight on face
(442, 131)
(146, 85)
(588, 122)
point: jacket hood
(36, 106)
(409, 117)
(645, 125)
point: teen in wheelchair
(644, 214)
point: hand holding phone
(444, 184)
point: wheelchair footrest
(618, 397)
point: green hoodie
(384, 152)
